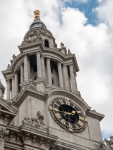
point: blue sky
(87, 8)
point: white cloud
(91, 44)
(105, 11)
(100, 1)
(78, 1)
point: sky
(85, 27)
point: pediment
(6, 108)
(30, 90)
(7, 112)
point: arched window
(46, 43)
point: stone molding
(18, 65)
(94, 114)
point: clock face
(67, 114)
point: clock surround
(67, 114)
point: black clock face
(67, 114)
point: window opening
(35, 68)
(46, 43)
(51, 69)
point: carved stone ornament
(8, 67)
(38, 121)
(31, 37)
(107, 144)
(3, 133)
(68, 115)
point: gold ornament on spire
(37, 15)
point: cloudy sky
(85, 27)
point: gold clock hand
(73, 112)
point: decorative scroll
(38, 121)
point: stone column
(26, 77)
(1, 94)
(60, 75)
(39, 74)
(16, 84)
(49, 71)
(13, 88)
(29, 69)
(73, 79)
(8, 89)
(66, 78)
(43, 67)
(21, 73)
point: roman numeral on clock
(57, 115)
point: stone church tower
(44, 109)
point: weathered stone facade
(39, 74)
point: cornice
(94, 114)
(9, 108)
(68, 146)
(48, 51)
(38, 132)
(13, 146)
(31, 48)
(21, 96)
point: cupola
(37, 22)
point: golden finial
(37, 15)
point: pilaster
(73, 79)
(8, 89)
(1, 93)
(13, 88)
(16, 84)
(26, 68)
(66, 78)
